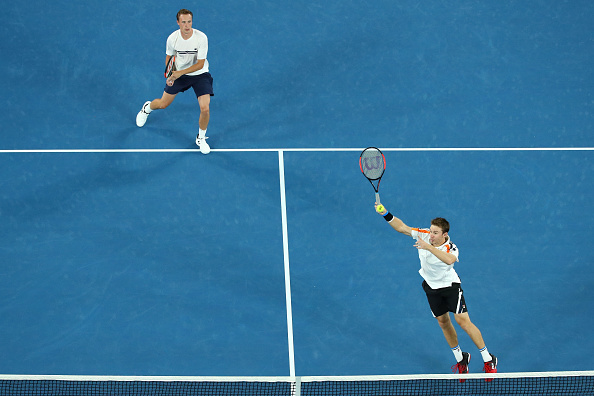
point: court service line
(281, 171)
(403, 149)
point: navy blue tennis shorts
(202, 85)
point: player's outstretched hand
(379, 208)
(421, 244)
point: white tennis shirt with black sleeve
(436, 273)
(188, 52)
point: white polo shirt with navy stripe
(435, 272)
(188, 52)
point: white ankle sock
(147, 109)
(457, 353)
(486, 355)
(201, 133)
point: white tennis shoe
(142, 115)
(201, 143)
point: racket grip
(377, 198)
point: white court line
(414, 149)
(281, 171)
(346, 378)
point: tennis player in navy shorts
(190, 47)
(442, 285)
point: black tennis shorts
(445, 299)
(202, 85)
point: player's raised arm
(394, 221)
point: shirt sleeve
(453, 249)
(422, 233)
(170, 46)
(202, 47)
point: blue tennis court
(124, 251)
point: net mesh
(542, 384)
(451, 386)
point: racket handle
(377, 199)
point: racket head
(170, 67)
(372, 163)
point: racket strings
(373, 164)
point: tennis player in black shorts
(443, 288)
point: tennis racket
(169, 69)
(373, 165)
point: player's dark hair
(441, 223)
(183, 11)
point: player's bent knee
(463, 321)
(443, 320)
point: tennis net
(541, 384)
